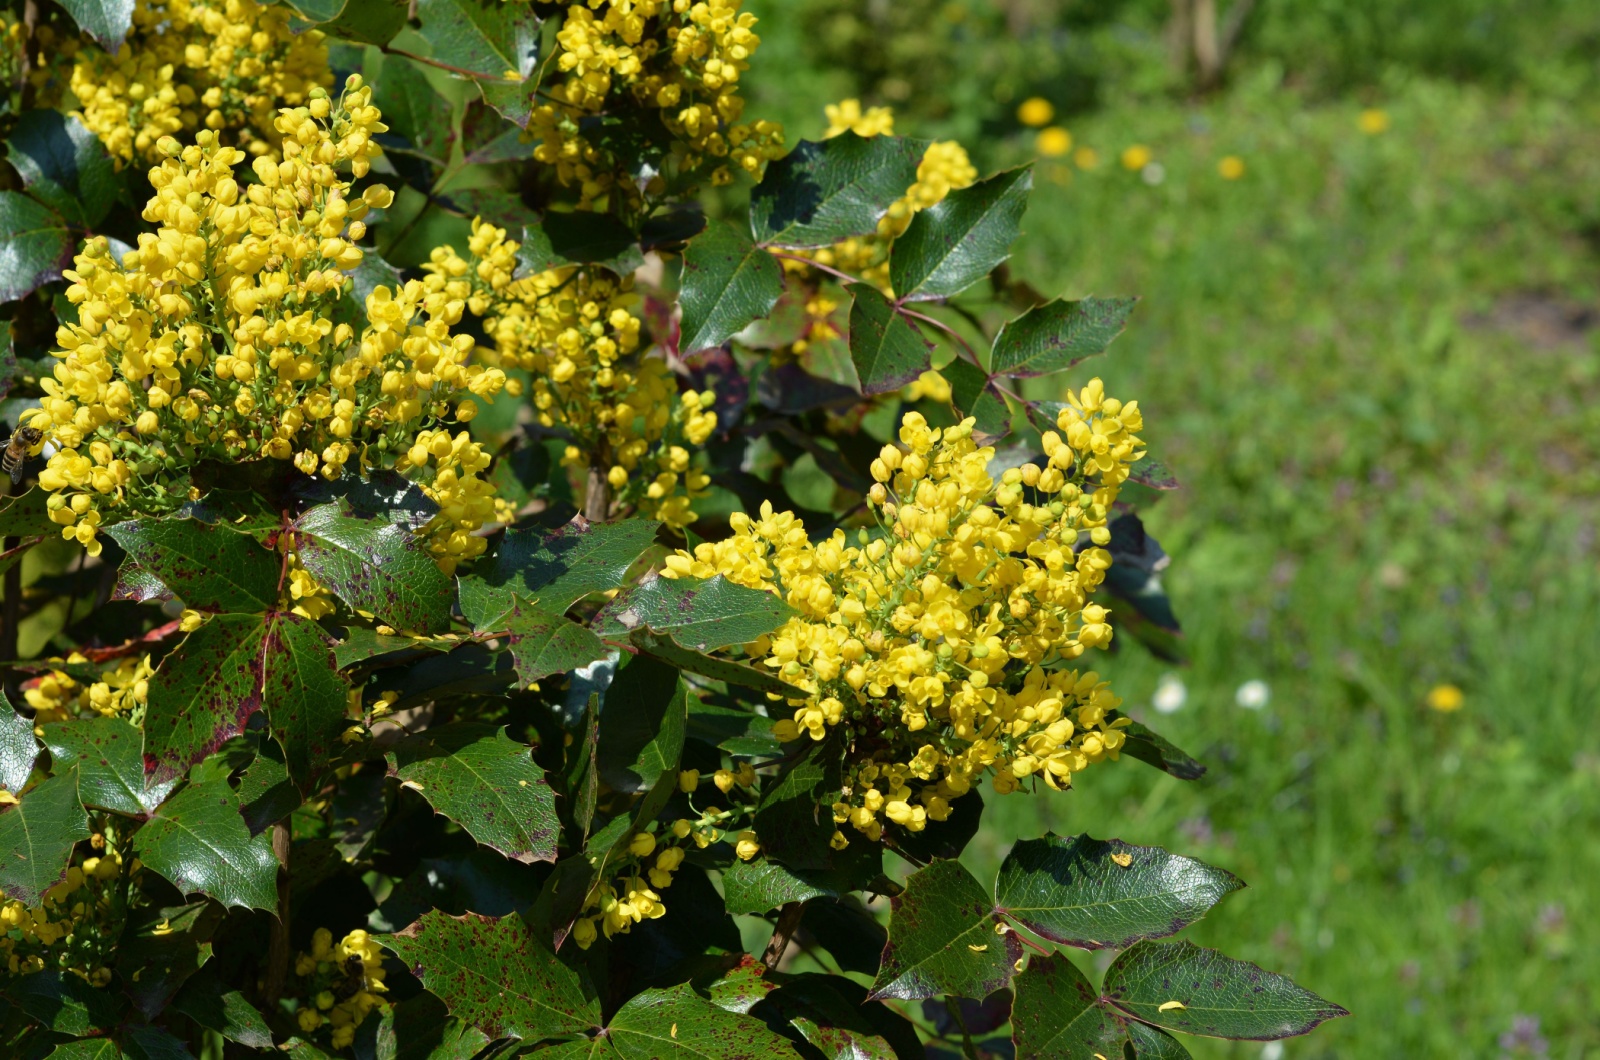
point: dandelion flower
(1253, 695)
(1053, 142)
(1373, 121)
(1136, 158)
(1036, 111)
(1231, 167)
(1445, 698)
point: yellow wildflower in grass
(1086, 158)
(680, 59)
(215, 340)
(940, 645)
(1136, 157)
(576, 332)
(1373, 121)
(1053, 142)
(1035, 111)
(339, 984)
(224, 65)
(1231, 167)
(1445, 699)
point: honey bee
(16, 454)
(355, 979)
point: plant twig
(953, 1006)
(278, 943)
(788, 924)
(11, 614)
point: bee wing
(16, 471)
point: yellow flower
(1136, 157)
(1035, 111)
(1373, 121)
(1231, 167)
(1445, 698)
(1053, 142)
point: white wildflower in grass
(1171, 694)
(1253, 695)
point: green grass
(1364, 361)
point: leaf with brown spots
(375, 565)
(495, 975)
(304, 695)
(678, 1024)
(700, 615)
(203, 694)
(487, 783)
(542, 643)
(553, 570)
(209, 567)
(942, 939)
(110, 766)
(1058, 1016)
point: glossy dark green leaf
(374, 566)
(587, 238)
(495, 975)
(19, 749)
(37, 835)
(886, 351)
(973, 393)
(487, 783)
(1150, 1043)
(162, 947)
(421, 1028)
(266, 794)
(367, 22)
(1154, 749)
(87, 1049)
(487, 137)
(211, 1004)
(198, 841)
(1057, 1015)
(793, 818)
(738, 732)
(1095, 894)
(848, 931)
(417, 116)
(202, 694)
(481, 38)
(304, 695)
(209, 567)
(64, 1003)
(554, 570)
(153, 1043)
(543, 643)
(942, 939)
(63, 165)
(703, 615)
(1220, 997)
(26, 516)
(727, 282)
(823, 192)
(34, 245)
(959, 240)
(1057, 335)
(107, 21)
(643, 724)
(762, 885)
(678, 1024)
(832, 1014)
(110, 762)
(728, 671)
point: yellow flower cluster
(120, 692)
(76, 926)
(944, 168)
(680, 58)
(223, 65)
(216, 338)
(938, 646)
(339, 984)
(574, 330)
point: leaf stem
(953, 1006)
(278, 942)
(788, 924)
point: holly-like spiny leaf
(554, 570)
(669, 651)
(703, 615)
(1096, 894)
(1154, 749)
(542, 643)
(19, 750)
(65, 1003)
(374, 566)
(36, 836)
(198, 841)
(678, 1024)
(211, 1004)
(106, 751)
(417, 116)
(727, 282)
(63, 165)
(107, 21)
(209, 567)
(761, 885)
(304, 695)
(887, 351)
(367, 22)
(162, 947)
(1057, 335)
(1058, 1016)
(1152, 1043)
(794, 818)
(34, 245)
(421, 1028)
(959, 240)
(643, 724)
(266, 794)
(974, 393)
(480, 38)
(495, 975)
(823, 192)
(943, 939)
(487, 783)
(1217, 996)
(27, 515)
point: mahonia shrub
(480, 543)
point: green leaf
(942, 939)
(642, 725)
(1153, 473)
(374, 565)
(794, 819)
(19, 750)
(304, 695)
(417, 116)
(27, 515)
(823, 192)
(368, 22)
(487, 783)
(763, 884)
(973, 393)
(63, 165)
(211, 1004)
(209, 567)
(487, 137)
(738, 732)
(65, 1003)
(495, 976)
(1097, 894)
(542, 644)
(481, 38)
(266, 794)
(703, 615)
(87, 1049)
(959, 240)
(1221, 997)
(107, 753)
(887, 353)
(1057, 335)
(107, 21)
(727, 282)
(154, 1043)
(1057, 1015)
(555, 570)
(585, 238)
(832, 1014)
(37, 835)
(422, 1028)
(672, 653)
(1152, 1044)
(198, 841)
(1152, 748)
(34, 245)
(678, 1024)
(202, 694)
(162, 948)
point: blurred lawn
(1374, 363)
